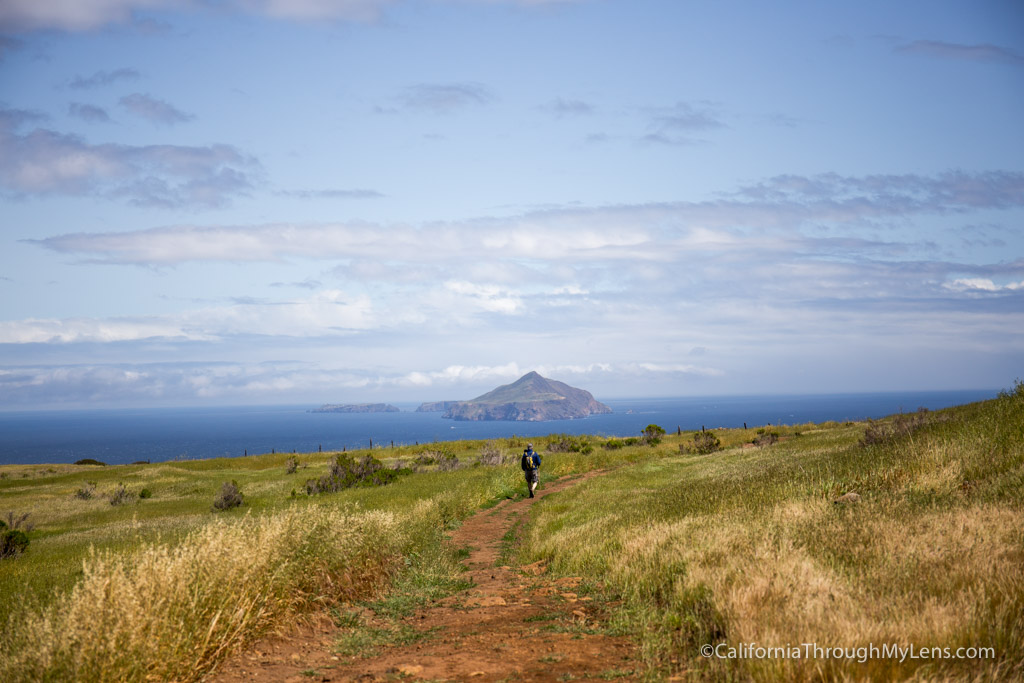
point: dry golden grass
(171, 611)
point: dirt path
(513, 624)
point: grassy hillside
(164, 588)
(748, 546)
(742, 545)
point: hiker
(530, 465)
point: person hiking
(530, 465)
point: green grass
(79, 546)
(743, 545)
(746, 545)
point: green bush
(652, 434)
(14, 535)
(90, 461)
(424, 459)
(145, 493)
(706, 442)
(291, 465)
(12, 542)
(346, 472)
(569, 443)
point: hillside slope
(767, 545)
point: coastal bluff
(531, 398)
(356, 408)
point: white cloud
(44, 162)
(980, 284)
(486, 297)
(72, 330)
(773, 216)
(325, 313)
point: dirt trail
(513, 624)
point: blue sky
(261, 201)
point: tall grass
(171, 611)
(746, 546)
(174, 588)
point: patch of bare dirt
(513, 624)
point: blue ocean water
(124, 436)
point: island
(356, 408)
(435, 406)
(531, 398)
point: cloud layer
(43, 162)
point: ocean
(125, 436)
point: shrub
(448, 463)
(12, 542)
(87, 491)
(491, 455)
(881, 433)
(291, 465)
(766, 439)
(706, 442)
(424, 459)
(229, 496)
(90, 461)
(569, 443)
(346, 472)
(14, 534)
(145, 493)
(121, 495)
(652, 434)
(615, 444)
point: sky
(228, 202)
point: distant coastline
(356, 408)
(436, 406)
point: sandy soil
(513, 624)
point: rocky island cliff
(531, 398)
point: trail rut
(512, 624)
